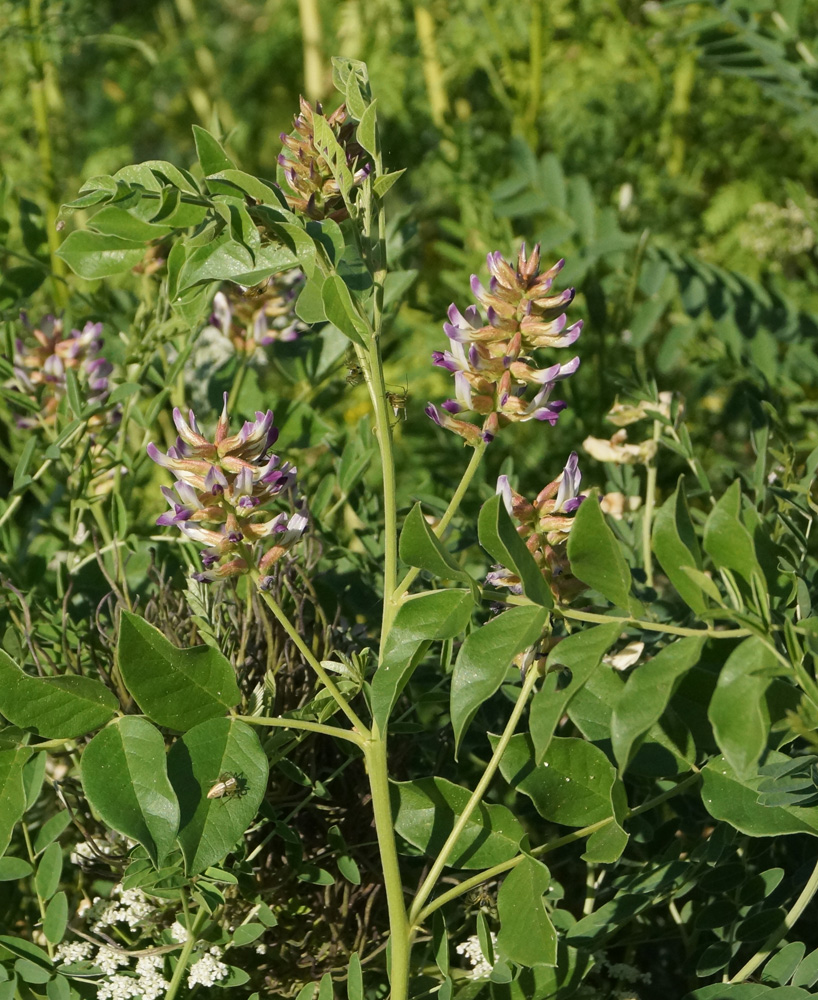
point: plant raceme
(512, 736)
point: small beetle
(227, 786)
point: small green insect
(228, 786)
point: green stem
(39, 104)
(432, 71)
(786, 925)
(451, 510)
(192, 935)
(650, 504)
(587, 616)
(40, 900)
(399, 931)
(315, 73)
(491, 873)
(311, 727)
(309, 656)
(390, 509)
(474, 801)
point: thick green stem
(390, 508)
(310, 727)
(786, 925)
(443, 523)
(399, 931)
(714, 633)
(476, 797)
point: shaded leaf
(124, 775)
(177, 688)
(596, 557)
(675, 545)
(210, 828)
(53, 707)
(499, 538)
(527, 936)
(580, 654)
(484, 659)
(426, 810)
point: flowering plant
(279, 628)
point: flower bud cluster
(258, 317)
(39, 368)
(544, 525)
(494, 374)
(315, 190)
(223, 492)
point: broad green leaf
(527, 936)
(581, 653)
(261, 192)
(310, 305)
(676, 545)
(384, 183)
(728, 543)
(647, 693)
(12, 869)
(154, 174)
(419, 546)
(97, 255)
(58, 989)
(49, 871)
(53, 707)
(738, 709)
(56, 918)
(340, 310)
(499, 538)
(596, 557)
(573, 785)
(212, 158)
(422, 618)
(426, 810)
(176, 688)
(115, 221)
(807, 972)
(484, 659)
(332, 152)
(210, 828)
(728, 797)
(124, 775)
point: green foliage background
(667, 150)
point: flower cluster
(148, 983)
(545, 525)
(126, 906)
(470, 949)
(40, 368)
(258, 317)
(494, 375)
(208, 970)
(223, 490)
(306, 165)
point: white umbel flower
(76, 951)
(470, 949)
(208, 970)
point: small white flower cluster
(152, 983)
(126, 906)
(178, 932)
(209, 969)
(470, 949)
(76, 951)
(109, 960)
